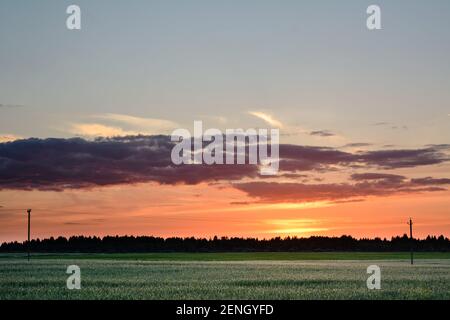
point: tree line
(116, 244)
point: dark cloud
(287, 175)
(365, 185)
(439, 146)
(322, 133)
(377, 176)
(305, 158)
(394, 159)
(273, 192)
(58, 164)
(357, 145)
(430, 181)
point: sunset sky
(363, 116)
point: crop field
(226, 276)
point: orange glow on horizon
(205, 211)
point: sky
(363, 116)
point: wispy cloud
(267, 118)
(322, 133)
(377, 124)
(293, 130)
(390, 125)
(119, 125)
(357, 145)
(10, 105)
(98, 130)
(8, 137)
(144, 125)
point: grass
(238, 256)
(168, 276)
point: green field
(237, 256)
(226, 276)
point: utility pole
(29, 225)
(411, 239)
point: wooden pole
(29, 225)
(411, 240)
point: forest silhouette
(116, 244)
